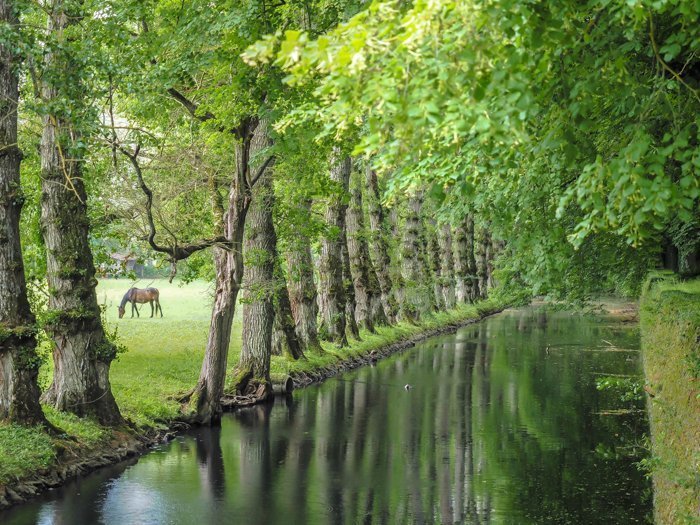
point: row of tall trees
(337, 165)
(142, 125)
(82, 352)
(571, 126)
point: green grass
(23, 450)
(670, 327)
(163, 356)
(163, 359)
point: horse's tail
(156, 295)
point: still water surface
(503, 425)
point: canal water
(503, 424)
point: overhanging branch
(177, 251)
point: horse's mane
(126, 298)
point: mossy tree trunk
(432, 264)
(495, 247)
(447, 266)
(379, 251)
(358, 254)
(302, 290)
(416, 293)
(82, 353)
(350, 302)
(482, 250)
(206, 397)
(228, 263)
(252, 374)
(19, 363)
(330, 269)
(461, 263)
(377, 311)
(473, 291)
(284, 336)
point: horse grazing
(140, 295)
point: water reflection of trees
(499, 427)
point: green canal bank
(670, 332)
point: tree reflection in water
(501, 426)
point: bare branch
(176, 252)
(189, 105)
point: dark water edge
(503, 424)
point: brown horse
(140, 295)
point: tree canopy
(556, 121)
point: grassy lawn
(163, 359)
(163, 356)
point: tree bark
(433, 264)
(228, 262)
(473, 290)
(416, 298)
(302, 291)
(252, 374)
(19, 363)
(461, 263)
(358, 254)
(484, 242)
(82, 353)
(284, 336)
(447, 266)
(494, 248)
(379, 251)
(331, 286)
(376, 304)
(350, 302)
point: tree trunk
(432, 264)
(350, 302)
(206, 396)
(302, 291)
(252, 374)
(284, 336)
(358, 254)
(484, 242)
(447, 266)
(416, 294)
(19, 363)
(376, 304)
(330, 269)
(495, 248)
(461, 263)
(379, 251)
(82, 353)
(473, 290)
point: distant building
(125, 262)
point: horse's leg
(138, 314)
(133, 307)
(151, 303)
